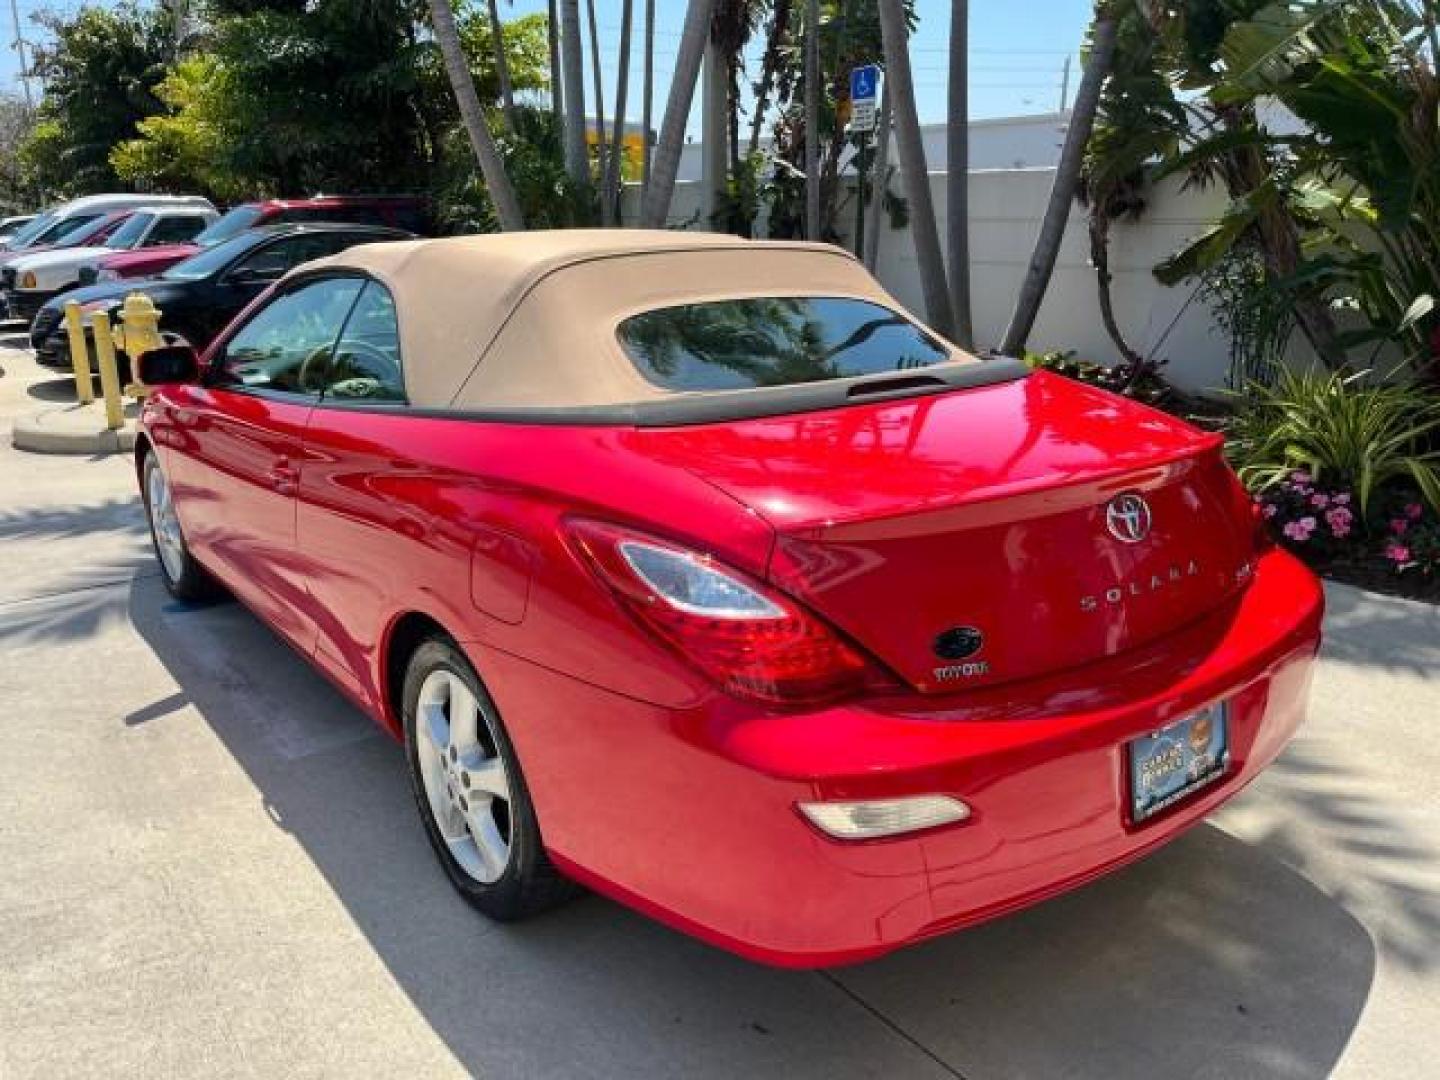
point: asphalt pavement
(210, 865)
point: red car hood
(147, 260)
(984, 509)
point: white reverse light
(884, 817)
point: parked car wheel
(470, 790)
(185, 578)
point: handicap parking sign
(864, 88)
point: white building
(1006, 142)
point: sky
(1017, 51)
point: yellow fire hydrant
(137, 334)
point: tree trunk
(648, 92)
(779, 25)
(599, 107)
(557, 79)
(812, 120)
(572, 52)
(677, 112)
(1062, 192)
(502, 66)
(913, 170)
(957, 179)
(1100, 256)
(614, 172)
(497, 183)
(1280, 246)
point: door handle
(283, 478)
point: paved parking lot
(210, 866)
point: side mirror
(169, 364)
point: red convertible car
(694, 570)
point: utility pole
(24, 63)
(1065, 85)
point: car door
(237, 479)
(354, 527)
(250, 275)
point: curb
(71, 429)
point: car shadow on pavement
(1212, 957)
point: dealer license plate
(1169, 765)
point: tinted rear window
(773, 341)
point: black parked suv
(197, 298)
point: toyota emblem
(1128, 517)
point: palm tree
(552, 35)
(502, 67)
(577, 157)
(812, 119)
(769, 66)
(599, 104)
(492, 168)
(913, 170)
(648, 92)
(957, 181)
(677, 110)
(1067, 181)
(610, 193)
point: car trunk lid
(974, 537)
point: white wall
(1006, 142)
(1005, 211)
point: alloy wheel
(466, 784)
(164, 524)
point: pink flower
(1397, 553)
(1300, 476)
(1320, 500)
(1269, 510)
(1398, 526)
(1299, 531)
(1343, 498)
(1339, 519)
(1414, 511)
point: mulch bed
(1377, 575)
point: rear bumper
(690, 816)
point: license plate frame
(1169, 765)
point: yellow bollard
(109, 373)
(137, 334)
(79, 354)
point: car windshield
(212, 259)
(231, 224)
(36, 226)
(71, 230)
(773, 341)
(130, 233)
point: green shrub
(1343, 430)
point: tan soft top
(529, 319)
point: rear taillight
(753, 641)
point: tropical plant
(1139, 121)
(100, 70)
(1351, 431)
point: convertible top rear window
(773, 341)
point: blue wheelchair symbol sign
(864, 82)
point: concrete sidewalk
(212, 867)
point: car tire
(470, 791)
(184, 578)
